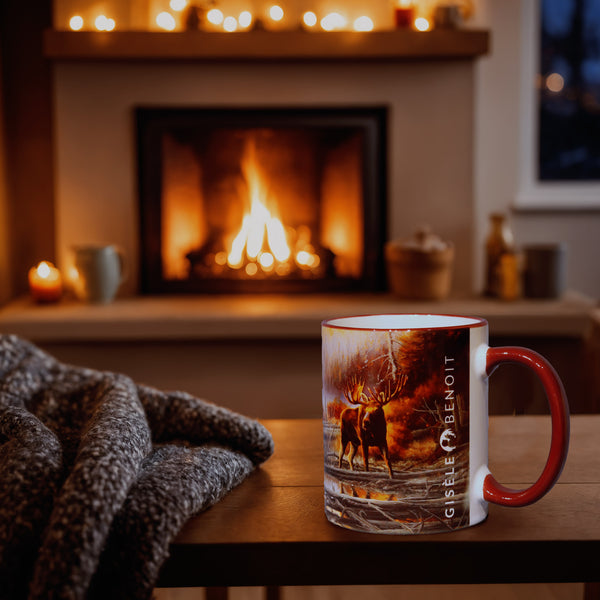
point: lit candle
(245, 19)
(309, 18)
(422, 24)
(333, 21)
(178, 5)
(76, 23)
(45, 282)
(363, 23)
(276, 12)
(230, 24)
(103, 23)
(215, 16)
(166, 21)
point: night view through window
(569, 139)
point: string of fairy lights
(182, 15)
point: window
(569, 91)
(560, 105)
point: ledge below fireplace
(261, 355)
(209, 317)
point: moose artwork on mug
(396, 429)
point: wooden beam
(264, 45)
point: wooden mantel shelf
(266, 46)
(273, 316)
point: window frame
(532, 193)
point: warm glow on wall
(76, 23)
(166, 21)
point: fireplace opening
(261, 200)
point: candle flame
(333, 21)
(276, 12)
(215, 16)
(364, 23)
(422, 24)
(309, 18)
(43, 269)
(76, 23)
(165, 20)
(245, 19)
(104, 23)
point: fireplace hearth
(261, 200)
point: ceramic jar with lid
(420, 268)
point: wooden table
(272, 531)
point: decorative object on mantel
(45, 283)
(500, 241)
(509, 276)
(98, 274)
(99, 468)
(545, 270)
(420, 268)
(447, 16)
(404, 14)
(194, 17)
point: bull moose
(365, 425)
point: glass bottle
(500, 241)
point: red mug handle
(559, 410)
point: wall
(5, 271)
(499, 156)
(28, 177)
(430, 141)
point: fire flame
(251, 238)
(262, 241)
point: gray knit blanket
(98, 475)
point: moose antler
(389, 393)
(353, 391)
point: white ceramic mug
(100, 272)
(405, 417)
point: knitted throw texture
(98, 475)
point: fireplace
(261, 200)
